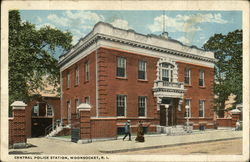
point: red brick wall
(11, 135)
(85, 126)
(84, 89)
(235, 117)
(101, 128)
(64, 132)
(109, 86)
(221, 122)
(195, 92)
(18, 126)
(130, 86)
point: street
(227, 147)
(45, 146)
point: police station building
(124, 75)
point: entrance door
(162, 115)
(39, 125)
(171, 116)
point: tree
(228, 68)
(31, 56)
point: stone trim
(71, 54)
(83, 109)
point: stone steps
(56, 131)
(172, 131)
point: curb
(60, 139)
(167, 145)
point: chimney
(164, 35)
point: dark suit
(127, 131)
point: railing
(161, 83)
(51, 127)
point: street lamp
(187, 117)
(167, 106)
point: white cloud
(78, 19)
(184, 23)
(83, 16)
(45, 24)
(184, 40)
(202, 18)
(62, 21)
(120, 23)
(202, 37)
(77, 34)
(38, 19)
(77, 22)
(172, 25)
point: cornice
(85, 44)
(156, 48)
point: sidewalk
(58, 146)
(166, 141)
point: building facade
(40, 114)
(125, 75)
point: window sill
(141, 80)
(202, 87)
(86, 81)
(76, 85)
(122, 78)
(142, 117)
(188, 85)
(121, 116)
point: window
(167, 72)
(36, 110)
(69, 111)
(142, 73)
(77, 76)
(121, 105)
(68, 80)
(87, 100)
(142, 105)
(121, 67)
(87, 74)
(77, 103)
(187, 79)
(49, 111)
(201, 108)
(202, 79)
(188, 103)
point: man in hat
(127, 130)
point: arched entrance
(169, 91)
(42, 117)
(168, 110)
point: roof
(105, 31)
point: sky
(188, 27)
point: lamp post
(166, 106)
(187, 117)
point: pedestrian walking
(127, 130)
(140, 133)
(237, 125)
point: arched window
(49, 111)
(166, 72)
(42, 109)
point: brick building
(41, 113)
(126, 75)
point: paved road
(228, 147)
